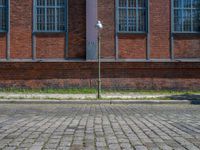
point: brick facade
(21, 29)
(3, 46)
(119, 73)
(160, 29)
(115, 75)
(132, 46)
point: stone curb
(79, 96)
(4, 101)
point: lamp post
(99, 27)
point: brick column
(91, 32)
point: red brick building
(146, 44)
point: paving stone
(90, 127)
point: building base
(115, 75)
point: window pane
(187, 20)
(50, 15)
(196, 4)
(187, 4)
(187, 15)
(122, 3)
(196, 20)
(60, 19)
(132, 15)
(40, 19)
(50, 19)
(132, 20)
(141, 3)
(132, 3)
(142, 20)
(177, 3)
(60, 2)
(178, 20)
(122, 20)
(51, 2)
(40, 3)
(2, 15)
(3, 2)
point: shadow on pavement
(194, 98)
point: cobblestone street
(91, 127)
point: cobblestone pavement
(100, 127)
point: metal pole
(99, 65)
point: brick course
(115, 75)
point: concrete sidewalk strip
(46, 101)
(109, 98)
(79, 96)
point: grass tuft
(93, 91)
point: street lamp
(99, 27)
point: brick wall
(50, 46)
(77, 29)
(187, 46)
(2, 46)
(114, 83)
(122, 75)
(21, 29)
(134, 46)
(115, 75)
(106, 13)
(160, 28)
(47, 45)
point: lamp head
(99, 25)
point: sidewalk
(109, 98)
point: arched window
(186, 16)
(3, 15)
(132, 15)
(50, 15)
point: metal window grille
(186, 15)
(50, 15)
(3, 15)
(132, 15)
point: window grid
(3, 15)
(186, 15)
(50, 16)
(131, 16)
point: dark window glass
(186, 15)
(50, 15)
(3, 15)
(132, 15)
